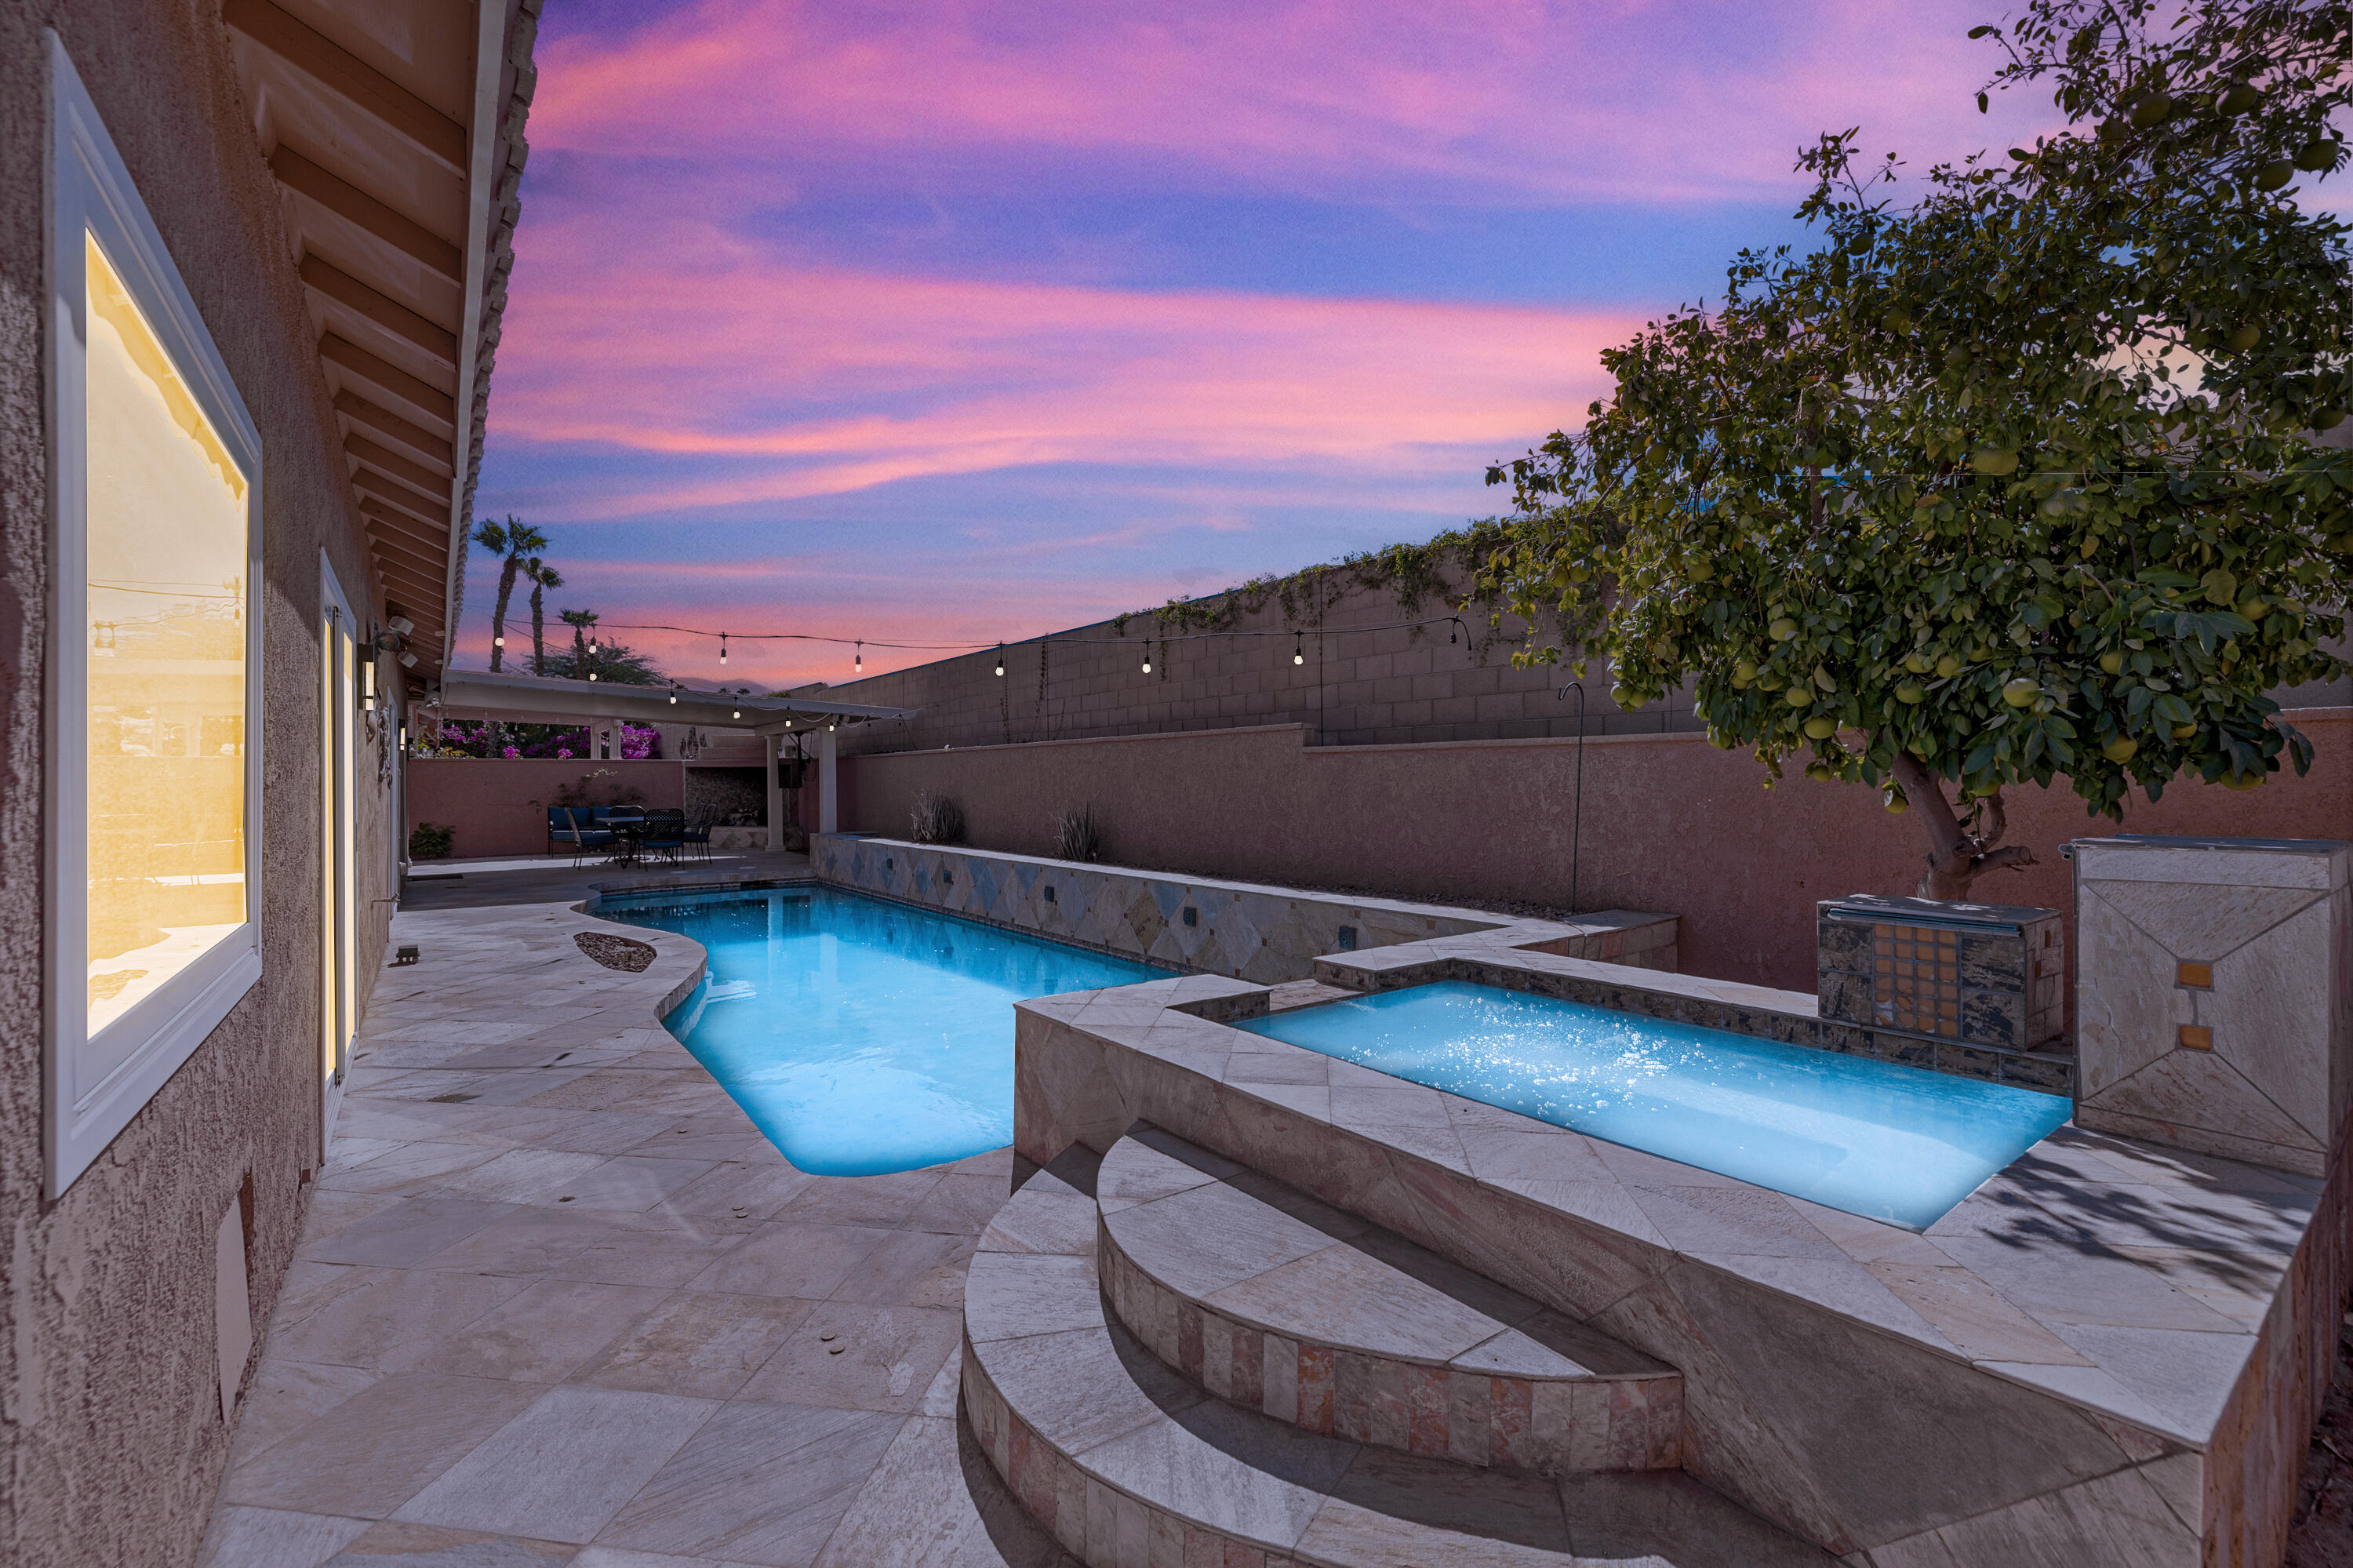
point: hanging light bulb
(858, 663)
(722, 648)
(737, 712)
(1000, 659)
(592, 674)
(592, 645)
(498, 642)
(1299, 649)
(828, 729)
(673, 696)
(1455, 630)
(1147, 657)
(788, 724)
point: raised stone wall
(1263, 934)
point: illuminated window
(154, 775)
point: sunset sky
(947, 322)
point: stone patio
(557, 1301)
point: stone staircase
(1173, 1360)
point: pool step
(1286, 1306)
(1129, 1463)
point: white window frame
(95, 1086)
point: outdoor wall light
(367, 687)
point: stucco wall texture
(111, 1441)
(499, 806)
(1670, 824)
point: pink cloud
(1697, 100)
(701, 346)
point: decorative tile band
(1201, 926)
(1554, 1426)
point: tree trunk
(1956, 856)
(499, 611)
(538, 629)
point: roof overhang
(394, 129)
(527, 699)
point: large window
(154, 656)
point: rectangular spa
(862, 1036)
(1888, 1142)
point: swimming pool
(1889, 1142)
(862, 1036)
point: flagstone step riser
(1556, 1427)
(1101, 1526)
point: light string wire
(1059, 638)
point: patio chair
(665, 830)
(573, 829)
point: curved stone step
(1129, 1463)
(1284, 1305)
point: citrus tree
(2015, 482)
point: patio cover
(530, 699)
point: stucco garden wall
(499, 806)
(112, 1440)
(1669, 822)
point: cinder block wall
(1364, 680)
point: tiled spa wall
(1268, 934)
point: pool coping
(2116, 1306)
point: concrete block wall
(1364, 681)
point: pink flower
(511, 752)
(563, 751)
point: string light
(498, 642)
(857, 663)
(722, 648)
(1000, 660)
(737, 712)
(592, 674)
(1299, 649)
(673, 696)
(1147, 655)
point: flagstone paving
(557, 1301)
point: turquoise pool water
(1899, 1144)
(862, 1036)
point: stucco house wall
(112, 1438)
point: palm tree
(580, 620)
(542, 578)
(514, 539)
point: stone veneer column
(2214, 994)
